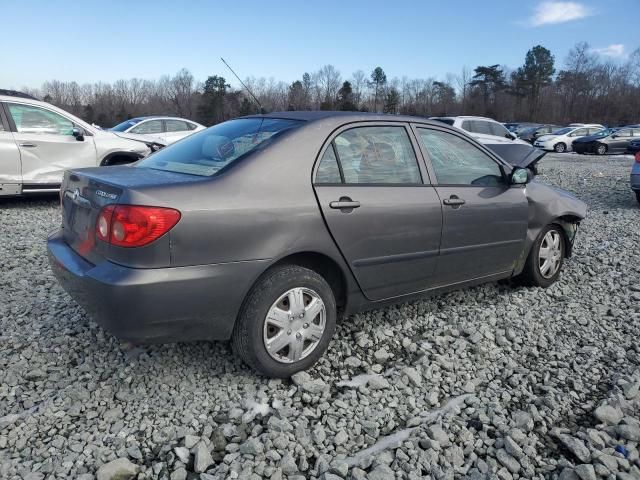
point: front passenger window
(458, 162)
(30, 119)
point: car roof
(159, 117)
(344, 117)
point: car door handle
(345, 203)
(453, 201)
(28, 145)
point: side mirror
(520, 176)
(614, 136)
(78, 133)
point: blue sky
(105, 41)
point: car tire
(267, 317)
(536, 273)
(601, 149)
(559, 147)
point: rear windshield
(207, 152)
(127, 124)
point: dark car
(530, 134)
(607, 141)
(264, 229)
(635, 175)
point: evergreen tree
(345, 98)
(378, 80)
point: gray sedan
(265, 229)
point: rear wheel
(545, 258)
(286, 321)
(559, 147)
(601, 149)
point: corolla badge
(111, 196)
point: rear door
(47, 145)
(484, 218)
(380, 208)
(10, 167)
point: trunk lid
(85, 192)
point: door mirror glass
(78, 133)
(520, 176)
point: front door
(619, 141)
(484, 218)
(384, 218)
(47, 145)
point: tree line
(585, 88)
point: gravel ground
(490, 382)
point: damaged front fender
(548, 205)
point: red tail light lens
(638, 157)
(134, 225)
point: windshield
(208, 152)
(126, 125)
(564, 131)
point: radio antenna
(262, 111)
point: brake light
(134, 225)
(638, 156)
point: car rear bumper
(155, 305)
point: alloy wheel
(559, 147)
(294, 325)
(550, 254)
(601, 150)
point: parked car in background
(635, 176)
(38, 142)
(532, 133)
(485, 130)
(203, 240)
(163, 129)
(607, 141)
(562, 140)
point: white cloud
(548, 13)
(615, 50)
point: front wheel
(286, 321)
(545, 258)
(601, 149)
(559, 147)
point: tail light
(134, 225)
(638, 156)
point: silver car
(39, 141)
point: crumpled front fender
(547, 205)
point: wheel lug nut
(302, 315)
(298, 335)
(288, 332)
(306, 325)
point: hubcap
(550, 254)
(294, 325)
(560, 148)
(601, 149)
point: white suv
(163, 129)
(560, 141)
(38, 142)
(485, 130)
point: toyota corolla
(265, 229)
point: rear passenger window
(377, 155)
(458, 162)
(151, 126)
(624, 133)
(483, 127)
(328, 171)
(176, 126)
